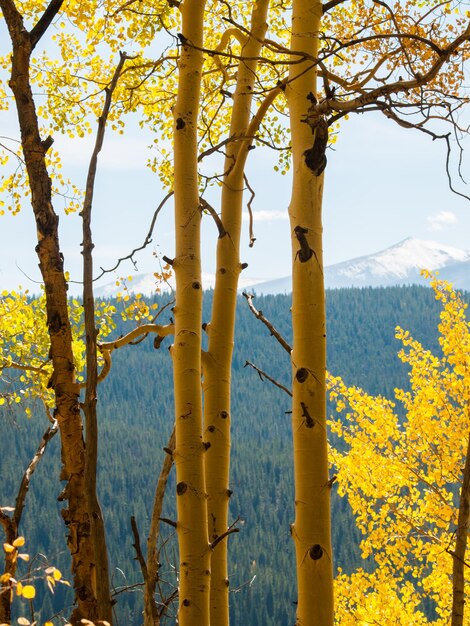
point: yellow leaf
(19, 541)
(28, 592)
(57, 574)
(8, 547)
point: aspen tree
(218, 359)
(192, 529)
(311, 528)
(367, 56)
(63, 379)
(333, 40)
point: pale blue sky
(383, 184)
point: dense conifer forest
(136, 415)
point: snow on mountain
(400, 264)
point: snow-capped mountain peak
(397, 262)
(401, 264)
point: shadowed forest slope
(136, 413)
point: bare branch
(259, 314)
(165, 605)
(263, 375)
(44, 22)
(138, 549)
(250, 212)
(217, 148)
(153, 554)
(24, 485)
(147, 241)
(163, 331)
(11, 524)
(230, 530)
(170, 522)
(331, 5)
(106, 348)
(205, 206)
(449, 177)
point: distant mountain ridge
(399, 264)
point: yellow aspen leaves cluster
(84, 46)
(24, 341)
(23, 588)
(12, 549)
(17, 587)
(401, 470)
(212, 80)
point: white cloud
(266, 216)
(441, 220)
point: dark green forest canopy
(136, 414)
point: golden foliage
(402, 472)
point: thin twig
(138, 550)
(147, 241)
(259, 314)
(230, 530)
(263, 375)
(250, 211)
(205, 206)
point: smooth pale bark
(66, 389)
(311, 528)
(194, 550)
(218, 360)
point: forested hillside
(136, 414)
